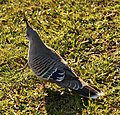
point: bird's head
(31, 33)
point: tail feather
(89, 92)
(79, 86)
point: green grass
(85, 32)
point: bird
(49, 66)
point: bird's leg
(42, 85)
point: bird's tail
(89, 92)
(78, 85)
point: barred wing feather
(47, 68)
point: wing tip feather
(97, 95)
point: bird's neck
(36, 42)
(36, 47)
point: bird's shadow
(64, 104)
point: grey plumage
(50, 66)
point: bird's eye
(27, 34)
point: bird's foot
(41, 86)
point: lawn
(86, 33)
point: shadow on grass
(64, 104)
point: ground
(85, 33)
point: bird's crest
(25, 19)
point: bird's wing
(47, 68)
(55, 71)
(70, 79)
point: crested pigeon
(48, 65)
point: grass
(85, 33)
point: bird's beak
(25, 19)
